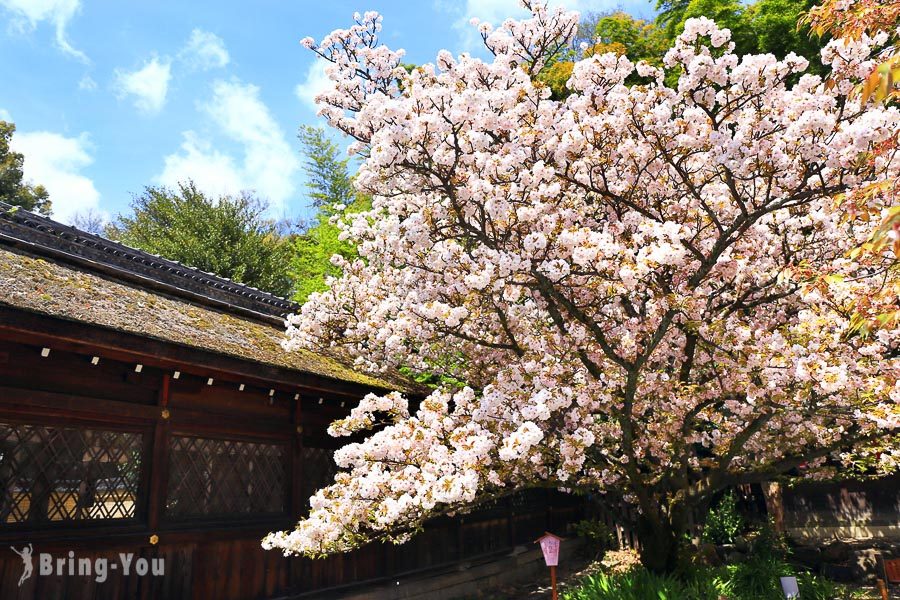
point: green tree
(639, 39)
(310, 263)
(229, 236)
(774, 24)
(330, 186)
(765, 26)
(616, 32)
(12, 189)
(328, 176)
(670, 13)
(726, 13)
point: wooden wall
(872, 506)
(214, 557)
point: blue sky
(110, 95)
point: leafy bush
(756, 579)
(640, 584)
(597, 536)
(724, 523)
(766, 541)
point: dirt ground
(568, 576)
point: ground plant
(724, 522)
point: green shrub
(724, 523)
(755, 579)
(766, 541)
(758, 578)
(597, 536)
(638, 584)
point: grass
(755, 579)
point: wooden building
(148, 408)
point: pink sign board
(550, 548)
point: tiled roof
(41, 278)
(47, 237)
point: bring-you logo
(99, 568)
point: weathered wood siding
(851, 508)
(216, 557)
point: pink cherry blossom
(623, 281)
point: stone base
(845, 532)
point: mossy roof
(59, 290)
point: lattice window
(209, 477)
(318, 471)
(66, 474)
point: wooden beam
(65, 405)
(105, 535)
(296, 462)
(27, 402)
(37, 329)
(159, 458)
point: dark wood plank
(159, 458)
(33, 328)
(25, 400)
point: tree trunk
(659, 541)
(774, 504)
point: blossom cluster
(623, 279)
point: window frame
(286, 448)
(85, 423)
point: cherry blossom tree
(877, 21)
(624, 282)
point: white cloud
(28, 13)
(148, 86)
(316, 82)
(5, 116)
(205, 50)
(56, 162)
(213, 172)
(87, 84)
(268, 164)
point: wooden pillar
(774, 497)
(511, 518)
(298, 502)
(159, 458)
(159, 473)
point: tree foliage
(228, 236)
(330, 186)
(13, 190)
(764, 26)
(872, 19)
(777, 28)
(876, 23)
(629, 277)
(638, 39)
(311, 261)
(328, 175)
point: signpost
(790, 588)
(550, 547)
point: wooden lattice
(211, 477)
(67, 474)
